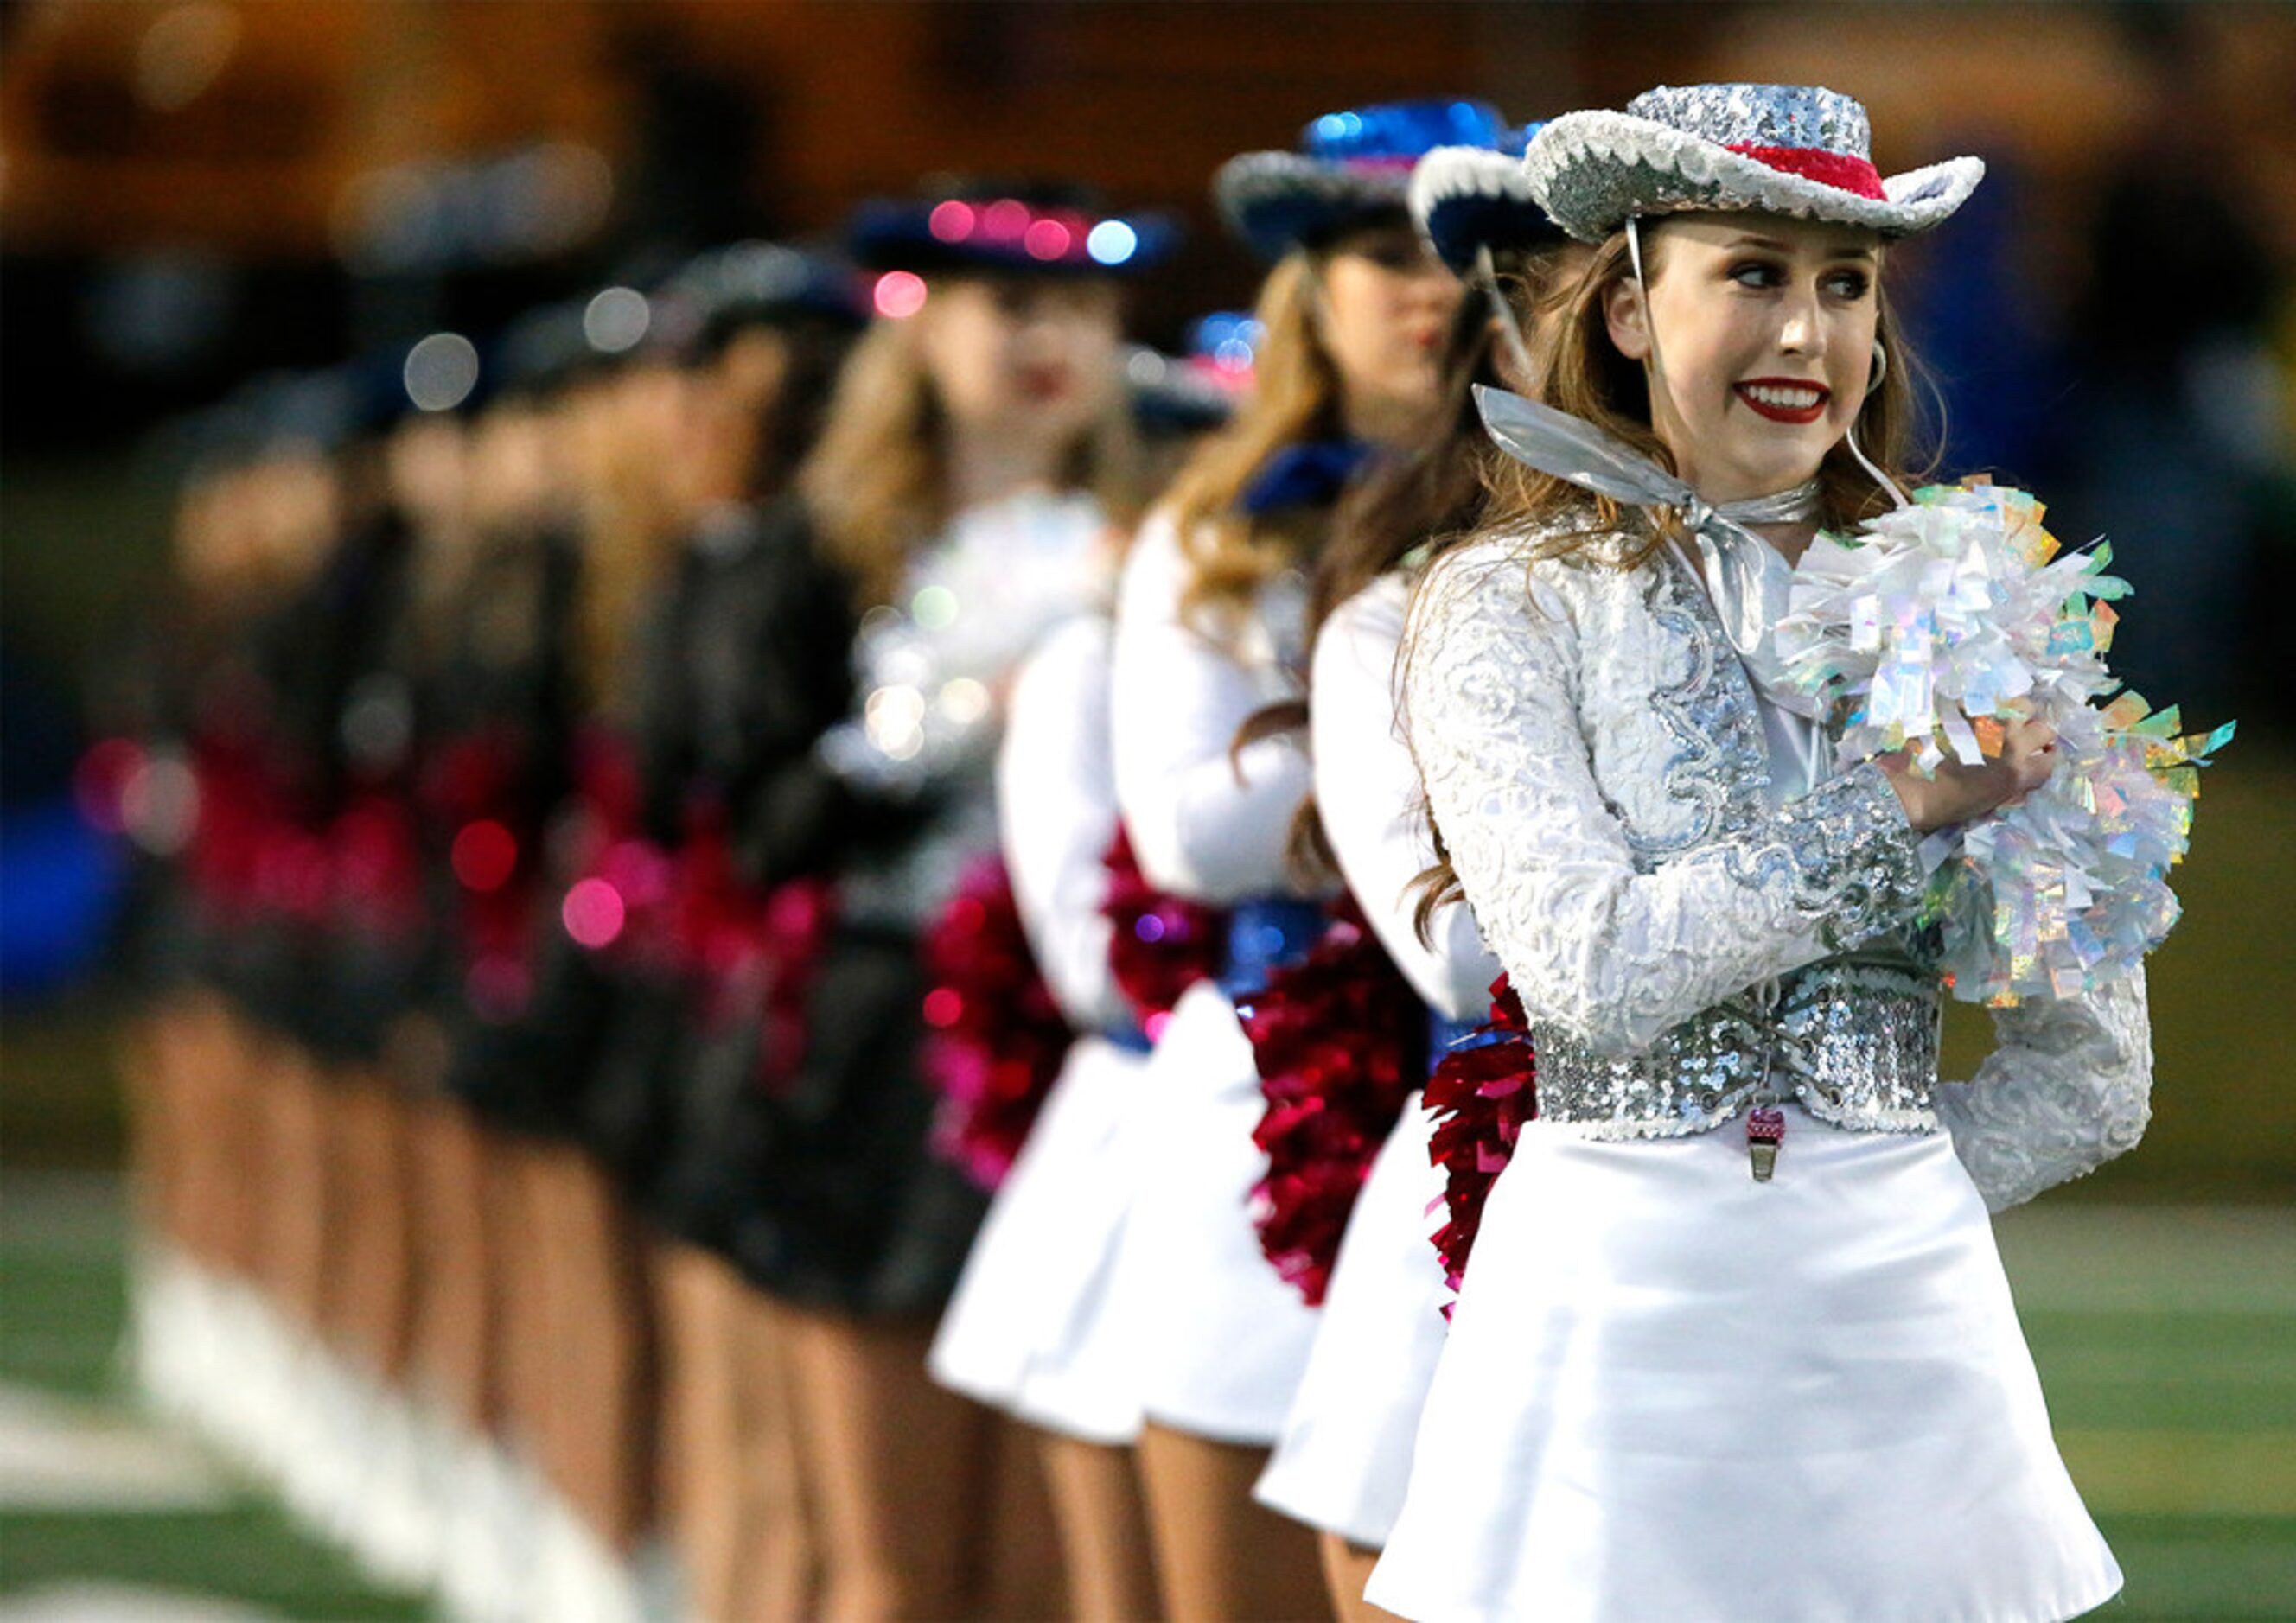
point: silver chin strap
(1509, 329)
(1881, 371)
(1657, 370)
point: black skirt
(837, 1198)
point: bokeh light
(898, 295)
(441, 371)
(616, 319)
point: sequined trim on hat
(1590, 170)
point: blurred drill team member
(1345, 1452)
(765, 329)
(958, 504)
(1029, 1329)
(341, 876)
(587, 484)
(200, 789)
(505, 1316)
(1208, 632)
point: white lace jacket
(1594, 758)
(1367, 795)
(1206, 819)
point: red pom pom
(793, 926)
(1480, 1094)
(1339, 1040)
(996, 1038)
(1161, 944)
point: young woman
(770, 328)
(1030, 1329)
(1735, 1341)
(247, 545)
(580, 502)
(1208, 632)
(958, 505)
(1345, 1453)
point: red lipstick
(1795, 400)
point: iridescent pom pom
(1929, 631)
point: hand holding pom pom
(1957, 647)
(1954, 793)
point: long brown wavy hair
(1295, 398)
(877, 483)
(1583, 372)
(1430, 494)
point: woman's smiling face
(1765, 343)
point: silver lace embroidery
(1837, 848)
(1719, 765)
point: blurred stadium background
(193, 190)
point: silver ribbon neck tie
(1554, 442)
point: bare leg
(1026, 1576)
(602, 1400)
(1103, 1526)
(1347, 1569)
(783, 1566)
(707, 1434)
(152, 1060)
(896, 1466)
(523, 1362)
(1221, 1558)
(454, 1309)
(234, 1174)
(371, 1265)
(301, 1188)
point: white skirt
(1029, 1330)
(1671, 1391)
(1221, 1339)
(1345, 1454)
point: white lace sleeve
(1206, 820)
(1056, 811)
(2069, 1088)
(1613, 954)
(1367, 796)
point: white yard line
(56, 1455)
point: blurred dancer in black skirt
(959, 504)
(659, 937)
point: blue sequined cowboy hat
(1017, 227)
(1465, 199)
(1796, 149)
(1350, 167)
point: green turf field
(203, 1532)
(2166, 1337)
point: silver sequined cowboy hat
(1797, 149)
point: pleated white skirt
(1030, 1329)
(1671, 1391)
(1221, 1339)
(1345, 1454)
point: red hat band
(1841, 170)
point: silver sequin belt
(1854, 1042)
